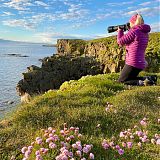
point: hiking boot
(154, 78)
(150, 80)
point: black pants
(129, 75)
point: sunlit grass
(83, 104)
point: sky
(49, 20)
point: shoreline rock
(16, 55)
(54, 71)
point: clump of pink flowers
(108, 106)
(60, 145)
(138, 135)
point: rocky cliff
(76, 58)
(54, 71)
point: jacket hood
(144, 28)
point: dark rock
(16, 55)
(54, 71)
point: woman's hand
(118, 29)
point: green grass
(82, 103)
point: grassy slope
(82, 103)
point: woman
(136, 41)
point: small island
(49, 45)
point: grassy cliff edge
(82, 103)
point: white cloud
(40, 3)
(48, 37)
(75, 11)
(119, 4)
(104, 35)
(147, 11)
(7, 14)
(155, 27)
(19, 23)
(146, 3)
(18, 4)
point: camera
(125, 27)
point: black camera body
(125, 27)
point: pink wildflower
(32, 143)
(62, 132)
(76, 131)
(66, 152)
(91, 156)
(158, 141)
(72, 128)
(68, 139)
(79, 135)
(85, 150)
(79, 147)
(37, 153)
(157, 136)
(124, 144)
(71, 137)
(70, 154)
(50, 135)
(106, 146)
(27, 154)
(74, 146)
(45, 135)
(24, 149)
(121, 151)
(144, 139)
(117, 147)
(78, 153)
(64, 157)
(153, 141)
(39, 141)
(139, 144)
(111, 144)
(30, 148)
(53, 131)
(129, 144)
(38, 157)
(121, 134)
(107, 109)
(143, 123)
(144, 119)
(131, 136)
(139, 133)
(50, 129)
(52, 146)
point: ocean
(15, 57)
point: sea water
(15, 57)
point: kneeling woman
(136, 41)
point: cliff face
(109, 54)
(76, 58)
(54, 71)
(106, 52)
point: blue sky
(49, 20)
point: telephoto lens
(125, 27)
(112, 29)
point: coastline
(14, 60)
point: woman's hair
(139, 20)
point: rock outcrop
(76, 58)
(106, 51)
(54, 71)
